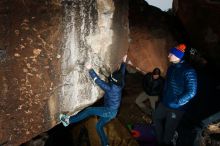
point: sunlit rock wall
(44, 46)
(150, 37)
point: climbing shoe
(64, 119)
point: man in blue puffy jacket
(180, 87)
(112, 99)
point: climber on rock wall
(179, 88)
(112, 100)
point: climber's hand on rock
(88, 66)
(125, 58)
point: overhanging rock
(150, 37)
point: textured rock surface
(201, 21)
(96, 26)
(150, 37)
(44, 46)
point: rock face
(82, 35)
(44, 46)
(150, 37)
(201, 21)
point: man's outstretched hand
(88, 66)
(125, 58)
(91, 71)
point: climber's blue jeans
(105, 114)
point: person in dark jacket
(180, 87)
(153, 85)
(112, 100)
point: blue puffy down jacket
(180, 85)
(112, 96)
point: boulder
(45, 46)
